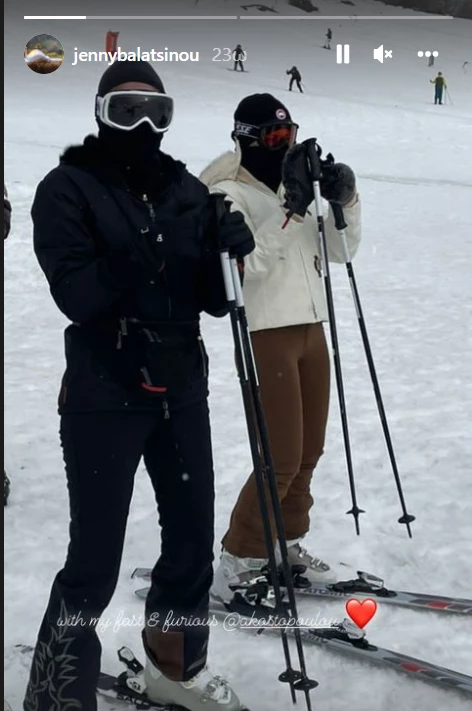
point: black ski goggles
(128, 109)
(269, 135)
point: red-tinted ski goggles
(269, 135)
(128, 109)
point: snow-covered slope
(413, 161)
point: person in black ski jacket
(295, 76)
(6, 232)
(239, 56)
(329, 37)
(128, 241)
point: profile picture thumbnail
(44, 54)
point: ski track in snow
(413, 273)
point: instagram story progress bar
(239, 17)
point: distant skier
(329, 37)
(6, 213)
(239, 56)
(295, 77)
(6, 488)
(439, 87)
(6, 232)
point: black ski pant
(238, 63)
(102, 452)
(292, 80)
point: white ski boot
(204, 692)
(234, 571)
(316, 570)
(237, 571)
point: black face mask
(263, 164)
(135, 150)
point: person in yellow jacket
(439, 87)
(286, 309)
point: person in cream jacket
(286, 307)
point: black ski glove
(296, 179)
(338, 183)
(233, 234)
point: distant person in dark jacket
(295, 76)
(128, 241)
(329, 37)
(6, 232)
(239, 56)
(439, 87)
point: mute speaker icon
(380, 53)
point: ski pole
(449, 97)
(304, 683)
(314, 166)
(290, 675)
(260, 452)
(341, 225)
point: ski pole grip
(238, 288)
(227, 276)
(219, 209)
(338, 214)
(217, 200)
(314, 162)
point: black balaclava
(136, 150)
(264, 164)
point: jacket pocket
(173, 364)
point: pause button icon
(342, 53)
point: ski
(365, 585)
(130, 688)
(253, 608)
(346, 638)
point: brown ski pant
(294, 375)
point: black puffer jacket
(135, 341)
(295, 74)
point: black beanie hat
(261, 108)
(122, 72)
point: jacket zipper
(123, 331)
(165, 406)
(152, 213)
(202, 351)
(149, 207)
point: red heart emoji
(361, 612)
